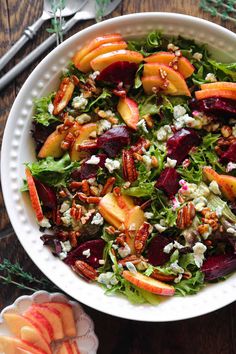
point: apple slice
(150, 82)
(64, 348)
(74, 347)
(42, 323)
(33, 336)
(200, 95)
(185, 68)
(161, 70)
(128, 109)
(220, 86)
(84, 134)
(34, 195)
(134, 220)
(11, 345)
(149, 284)
(63, 95)
(84, 64)
(96, 42)
(104, 60)
(53, 317)
(67, 317)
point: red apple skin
(128, 109)
(221, 85)
(34, 195)
(200, 95)
(42, 323)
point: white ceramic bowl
(18, 148)
(86, 338)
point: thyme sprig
(224, 9)
(57, 21)
(100, 8)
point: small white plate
(87, 340)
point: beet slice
(96, 253)
(120, 71)
(215, 105)
(218, 266)
(46, 194)
(155, 253)
(181, 143)
(53, 243)
(41, 132)
(87, 171)
(168, 181)
(114, 140)
(230, 154)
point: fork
(88, 12)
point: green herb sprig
(224, 9)
(57, 21)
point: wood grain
(210, 334)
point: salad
(134, 186)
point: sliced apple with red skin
(22, 351)
(220, 85)
(64, 348)
(96, 42)
(134, 220)
(104, 60)
(33, 336)
(200, 95)
(185, 68)
(63, 95)
(84, 134)
(53, 317)
(84, 64)
(34, 195)
(67, 317)
(149, 284)
(11, 345)
(74, 347)
(176, 79)
(52, 145)
(43, 324)
(151, 82)
(128, 109)
(227, 184)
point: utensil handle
(29, 59)
(29, 33)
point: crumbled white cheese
(64, 206)
(50, 108)
(92, 181)
(197, 56)
(230, 166)
(131, 267)
(112, 165)
(175, 267)
(210, 77)
(94, 160)
(44, 223)
(200, 203)
(87, 253)
(147, 161)
(172, 47)
(148, 215)
(124, 251)
(164, 133)
(101, 261)
(97, 219)
(179, 111)
(62, 255)
(190, 190)
(109, 113)
(178, 278)
(66, 246)
(214, 188)
(172, 245)
(66, 218)
(170, 162)
(183, 121)
(142, 125)
(107, 279)
(102, 126)
(160, 228)
(94, 75)
(83, 118)
(79, 102)
(198, 253)
(219, 211)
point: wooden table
(212, 333)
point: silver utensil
(88, 12)
(71, 7)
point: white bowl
(18, 148)
(86, 338)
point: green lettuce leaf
(190, 286)
(142, 190)
(103, 100)
(41, 114)
(226, 69)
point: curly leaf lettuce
(41, 113)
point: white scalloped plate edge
(87, 340)
(18, 147)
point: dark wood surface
(210, 334)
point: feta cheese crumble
(94, 75)
(142, 125)
(97, 219)
(44, 223)
(94, 160)
(124, 251)
(65, 247)
(164, 133)
(112, 165)
(172, 245)
(148, 215)
(83, 118)
(131, 267)
(79, 102)
(147, 161)
(197, 56)
(50, 108)
(65, 206)
(198, 253)
(160, 228)
(108, 279)
(87, 253)
(102, 126)
(210, 77)
(179, 111)
(214, 188)
(175, 267)
(230, 166)
(66, 218)
(170, 162)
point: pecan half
(185, 216)
(108, 186)
(129, 170)
(132, 259)
(84, 269)
(141, 237)
(63, 95)
(139, 145)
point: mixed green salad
(134, 186)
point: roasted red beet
(41, 132)
(230, 154)
(181, 143)
(218, 266)
(120, 71)
(95, 248)
(114, 140)
(215, 105)
(46, 194)
(155, 253)
(88, 171)
(168, 181)
(53, 243)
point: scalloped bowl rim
(14, 154)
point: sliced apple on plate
(149, 284)
(220, 85)
(208, 93)
(85, 131)
(74, 347)
(128, 109)
(41, 322)
(133, 221)
(156, 82)
(63, 95)
(34, 195)
(11, 345)
(33, 336)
